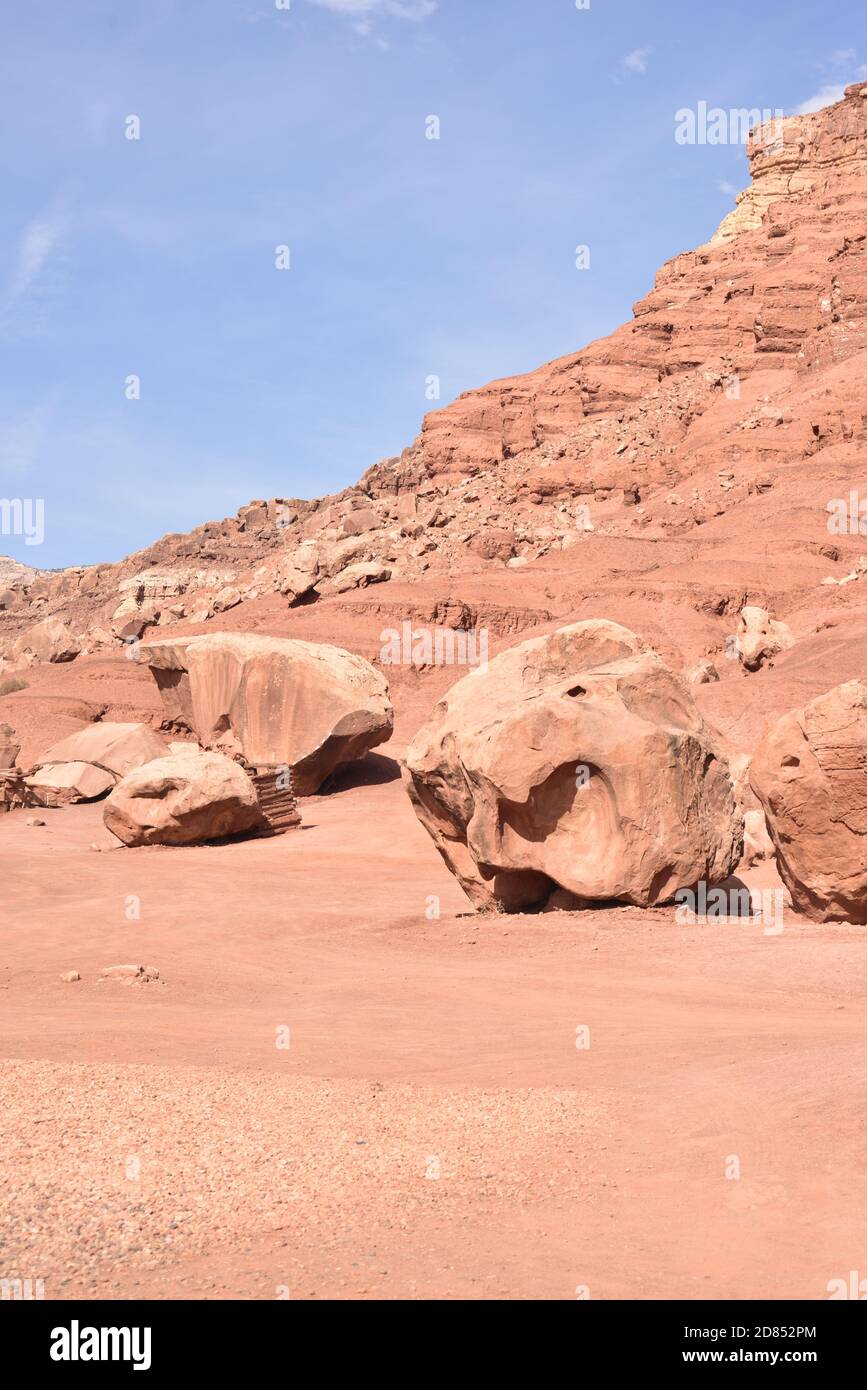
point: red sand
(416, 1047)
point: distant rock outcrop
(746, 360)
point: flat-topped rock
(276, 701)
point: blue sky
(306, 127)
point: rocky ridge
(668, 475)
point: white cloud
(36, 244)
(728, 188)
(844, 59)
(826, 96)
(35, 280)
(636, 61)
(365, 10)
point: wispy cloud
(826, 96)
(32, 286)
(37, 241)
(728, 188)
(833, 89)
(636, 61)
(364, 11)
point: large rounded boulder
(810, 774)
(184, 798)
(274, 700)
(574, 762)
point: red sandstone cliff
(662, 476)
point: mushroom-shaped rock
(276, 701)
(574, 762)
(183, 799)
(810, 774)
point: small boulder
(493, 543)
(117, 748)
(359, 521)
(183, 800)
(129, 972)
(228, 597)
(760, 637)
(357, 576)
(702, 673)
(758, 845)
(60, 784)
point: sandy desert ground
(432, 1129)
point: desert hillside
(668, 475)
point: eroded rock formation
(13, 791)
(810, 775)
(183, 799)
(760, 637)
(575, 761)
(86, 765)
(305, 705)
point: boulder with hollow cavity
(574, 767)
